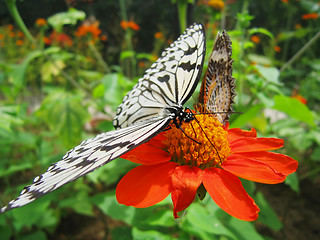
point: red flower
(89, 29)
(300, 98)
(173, 163)
(310, 16)
(129, 24)
(41, 22)
(61, 39)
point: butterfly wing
(169, 82)
(88, 156)
(142, 115)
(218, 86)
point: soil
(299, 213)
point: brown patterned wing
(218, 86)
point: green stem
(301, 51)
(182, 12)
(98, 56)
(241, 53)
(128, 38)
(16, 16)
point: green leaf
(18, 71)
(112, 89)
(259, 59)
(80, 203)
(121, 233)
(72, 16)
(8, 117)
(294, 108)
(51, 69)
(243, 230)
(5, 233)
(98, 91)
(31, 214)
(16, 168)
(151, 234)
(271, 74)
(293, 181)
(262, 31)
(201, 220)
(161, 218)
(267, 215)
(316, 154)
(39, 235)
(65, 115)
(108, 204)
(247, 116)
(127, 54)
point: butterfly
(217, 90)
(155, 101)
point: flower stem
(16, 16)
(98, 56)
(300, 52)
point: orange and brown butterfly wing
(218, 86)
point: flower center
(207, 145)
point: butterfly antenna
(212, 113)
(207, 137)
(179, 126)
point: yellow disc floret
(206, 145)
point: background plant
(63, 73)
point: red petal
(252, 170)
(228, 193)
(236, 133)
(145, 185)
(255, 144)
(278, 162)
(185, 181)
(149, 153)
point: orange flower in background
(10, 27)
(19, 42)
(217, 4)
(255, 39)
(12, 34)
(300, 98)
(141, 64)
(1, 36)
(298, 26)
(61, 39)
(103, 38)
(41, 22)
(158, 35)
(173, 164)
(310, 16)
(285, 1)
(47, 40)
(277, 49)
(89, 29)
(295, 94)
(129, 24)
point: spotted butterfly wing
(169, 82)
(217, 90)
(147, 110)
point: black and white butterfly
(155, 101)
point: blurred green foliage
(62, 78)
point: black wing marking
(88, 156)
(169, 82)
